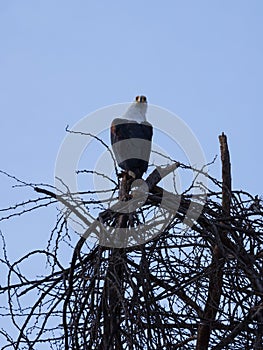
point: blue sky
(61, 60)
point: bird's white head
(137, 110)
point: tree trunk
(216, 275)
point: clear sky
(61, 60)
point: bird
(131, 138)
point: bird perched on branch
(131, 139)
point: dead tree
(216, 275)
(197, 287)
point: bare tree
(187, 287)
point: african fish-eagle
(131, 138)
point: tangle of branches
(181, 286)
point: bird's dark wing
(131, 142)
(122, 129)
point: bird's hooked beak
(141, 99)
